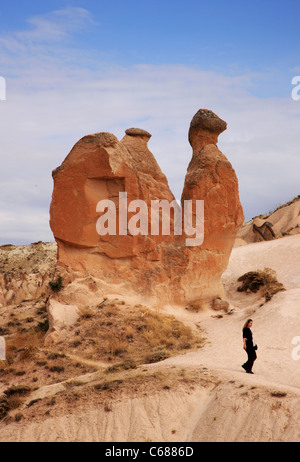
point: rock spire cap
(137, 132)
(207, 120)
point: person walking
(249, 346)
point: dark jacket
(247, 334)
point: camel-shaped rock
(105, 217)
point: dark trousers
(251, 358)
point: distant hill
(284, 221)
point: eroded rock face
(157, 267)
(284, 221)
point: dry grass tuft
(12, 398)
(278, 394)
(265, 280)
(86, 312)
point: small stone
(218, 304)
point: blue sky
(231, 36)
(77, 67)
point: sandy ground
(275, 324)
(233, 405)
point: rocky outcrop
(25, 272)
(105, 217)
(265, 231)
(284, 221)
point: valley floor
(203, 395)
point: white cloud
(51, 104)
(46, 28)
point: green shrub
(57, 285)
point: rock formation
(25, 272)
(210, 177)
(265, 231)
(101, 177)
(284, 221)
